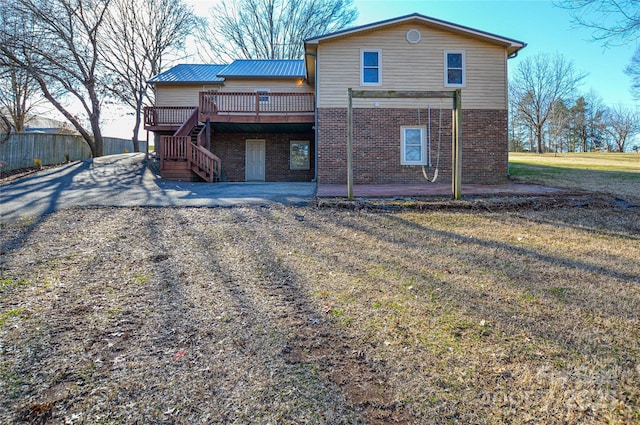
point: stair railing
(179, 147)
(204, 163)
(186, 126)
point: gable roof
(190, 74)
(251, 68)
(510, 44)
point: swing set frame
(456, 151)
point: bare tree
(594, 118)
(139, 36)
(270, 29)
(559, 126)
(613, 21)
(19, 91)
(633, 71)
(19, 94)
(622, 124)
(66, 56)
(538, 83)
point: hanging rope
(435, 173)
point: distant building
(40, 124)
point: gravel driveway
(126, 180)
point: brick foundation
(231, 148)
(376, 147)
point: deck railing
(200, 160)
(256, 103)
(204, 163)
(158, 116)
(174, 148)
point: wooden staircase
(184, 155)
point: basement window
(299, 155)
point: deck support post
(456, 126)
(350, 146)
(208, 133)
(456, 149)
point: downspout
(506, 73)
(315, 118)
(509, 124)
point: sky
(545, 28)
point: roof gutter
(514, 54)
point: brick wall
(231, 148)
(376, 146)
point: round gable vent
(413, 36)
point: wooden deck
(166, 118)
(265, 108)
(259, 108)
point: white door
(255, 163)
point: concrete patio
(432, 190)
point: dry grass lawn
(472, 314)
(610, 172)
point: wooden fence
(21, 149)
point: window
(263, 98)
(299, 155)
(454, 69)
(371, 67)
(413, 146)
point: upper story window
(371, 67)
(454, 75)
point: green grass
(11, 283)
(616, 174)
(15, 312)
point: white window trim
(362, 52)
(446, 68)
(423, 144)
(261, 91)
(308, 165)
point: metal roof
(190, 74)
(251, 68)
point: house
(286, 120)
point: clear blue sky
(540, 24)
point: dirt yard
(484, 312)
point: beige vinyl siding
(275, 86)
(407, 66)
(187, 95)
(180, 95)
